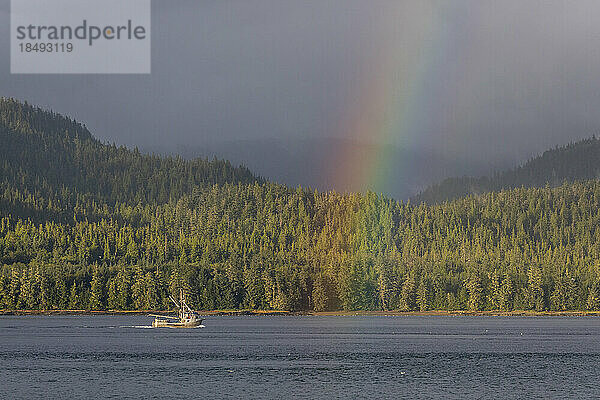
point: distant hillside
(316, 162)
(50, 161)
(574, 162)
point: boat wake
(137, 326)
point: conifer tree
(96, 291)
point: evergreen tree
(475, 290)
(423, 295)
(96, 291)
(408, 302)
(74, 298)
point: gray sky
(476, 80)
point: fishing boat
(186, 317)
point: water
(301, 357)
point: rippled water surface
(301, 357)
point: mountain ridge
(47, 155)
(576, 161)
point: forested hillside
(89, 241)
(574, 162)
(52, 167)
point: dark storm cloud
(512, 78)
(220, 69)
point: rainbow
(398, 88)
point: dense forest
(574, 162)
(52, 167)
(85, 225)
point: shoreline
(206, 313)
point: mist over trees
(574, 162)
(84, 225)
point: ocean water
(300, 357)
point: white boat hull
(158, 323)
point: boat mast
(184, 305)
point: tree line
(271, 247)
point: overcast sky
(498, 79)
